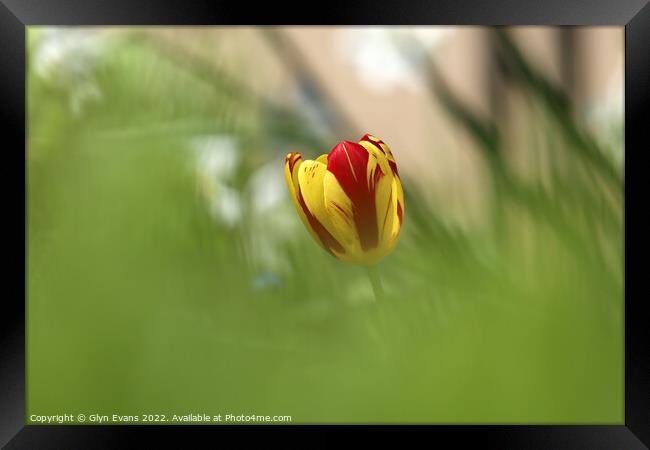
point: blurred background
(168, 272)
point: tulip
(350, 200)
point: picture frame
(633, 15)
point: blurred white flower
(267, 188)
(217, 156)
(66, 58)
(217, 159)
(385, 58)
(261, 210)
(605, 116)
(272, 221)
(225, 205)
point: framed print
(369, 214)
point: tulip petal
(341, 213)
(358, 173)
(380, 148)
(369, 141)
(397, 188)
(386, 200)
(291, 164)
(294, 167)
(378, 154)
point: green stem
(375, 281)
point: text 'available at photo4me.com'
(196, 418)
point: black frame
(634, 15)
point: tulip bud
(350, 200)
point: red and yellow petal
(371, 142)
(350, 163)
(397, 188)
(340, 210)
(306, 190)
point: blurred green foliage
(140, 301)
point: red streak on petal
(329, 242)
(292, 159)
(377, 145)
(343, 212)
(393, 167)
(348, 161)
(366, 138)
(390, 198)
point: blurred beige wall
(372, 87)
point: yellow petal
(386, 201)
(310, 181)
(397, 189)
(380, 148)
(341, 214)
(380, 157)
(291, 165)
